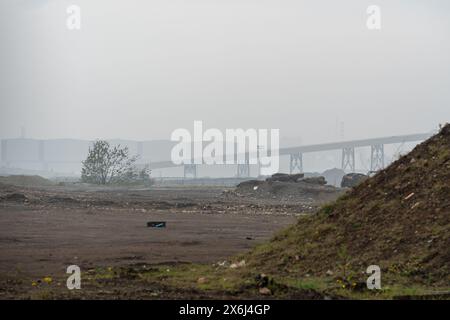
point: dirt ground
(50, 228)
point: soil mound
(398, 219)
(284, 177)
(25, 181)
(288, 187)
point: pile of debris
(293, 188)
(298, 177)
(284, 177)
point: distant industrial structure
(296, 154)
(66, 155)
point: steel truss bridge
(78, 150)
(296, 154)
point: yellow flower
(34, 283)
(48, 280)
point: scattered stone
(18, 197)
(202, 280)
(265, 291)
(291, 190)
(284, 177)
(222, 263)
(315, 180)
(238, 264)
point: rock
(315, 180)
(284, 177)
(222, 263)
(265, 291)
(329, 273)
(352, 179)
(202, 280)
(293, 188)
(18, 197)
(238, 264)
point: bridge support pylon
(190, 170)
(377, 157)
(348, 159)
(243, 170)
(4, 153)
(296, 162)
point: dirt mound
(15, 197)
(398, 219)
(284, 177)
(25, 181)
(286, 187)
(315, 180)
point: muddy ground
(44, 230)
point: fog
(140, 69)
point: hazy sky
(138, 69)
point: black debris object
(156, 224)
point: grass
(200, 280)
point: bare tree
(105, 164)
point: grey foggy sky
(140, 69)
